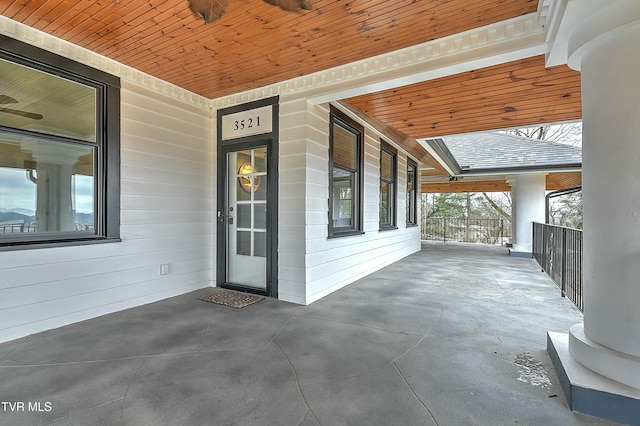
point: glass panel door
(246, 218)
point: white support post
(527, 196)
(602, 365)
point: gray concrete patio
(452, 335)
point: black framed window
(59, 149)
(388, 191)
(345, 177)
(412, 193)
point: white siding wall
(311, 265)
(293, 147)
(166, 205)
(168, 181)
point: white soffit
(576, 23)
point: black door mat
(230, 298)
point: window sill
(53, 244)
(388, 228)
(345, 234)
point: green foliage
(467, 205)
(446, 205)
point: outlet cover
(164, 269)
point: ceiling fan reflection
(4, 99)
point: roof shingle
(492, 150)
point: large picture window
(59, 149)
(412, 193)
(388, 166)
(345, 177)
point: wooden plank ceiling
(513, 94)
(255, 44)
(554, 182)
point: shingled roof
(499, 152)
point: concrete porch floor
(452, 335)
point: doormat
(234, 299)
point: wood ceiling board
(254, 44)
(50, 12)
(513, 102)
(489, 117)
(566, 180)
(554, 182)
(432, 172)
(476, 93)
(15, 7)
(136, 32)
(468, 186)
(518, 93)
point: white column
(55, 169)
(605, 49)
(54, 210)
(514, 212)
(527, 197)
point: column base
(517, 253)
(588, 392)
(618, 366)
(521, 250)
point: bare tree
(569, 209)
(497, 207)
(494, 205)
(566, 133)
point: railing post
(561, 257)
(545, 248)
(563, 287)
(534, 239)
(444, 230)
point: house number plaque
(252, 122)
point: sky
(16, 191)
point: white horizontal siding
(291, 200)
(166, 210)
(329, 264)
(167, 203)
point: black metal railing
(485, 231)
(14, 227)
(558, 251)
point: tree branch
(496, 207)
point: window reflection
(39, 102)
(45, 186)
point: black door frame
(270, 140)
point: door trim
(270, 140)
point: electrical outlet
(164, 269)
